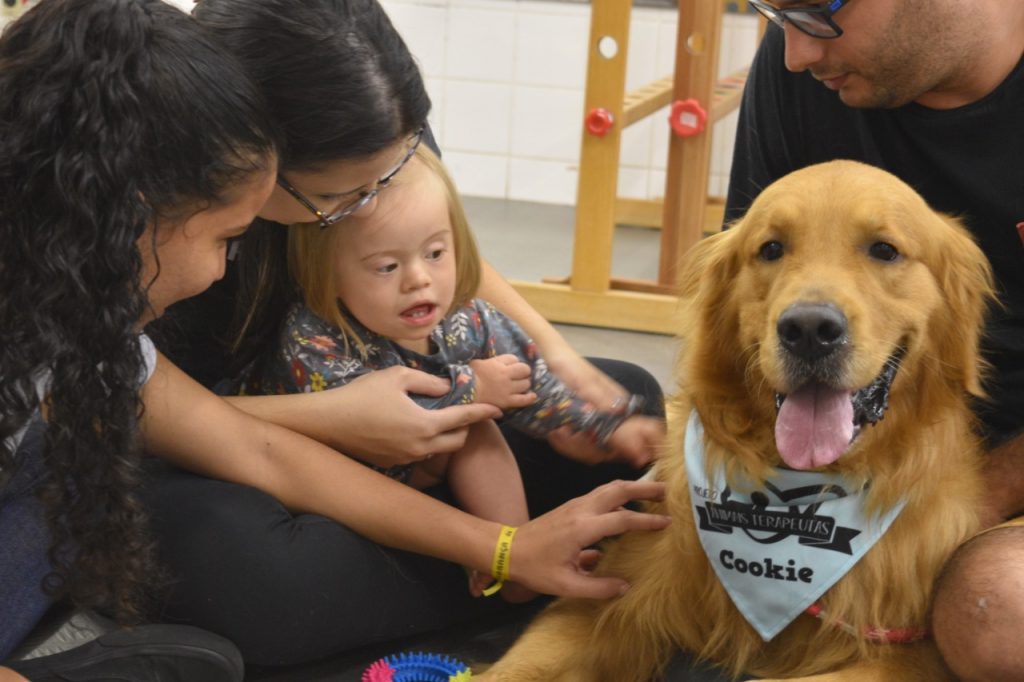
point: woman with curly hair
(132, 154)
(125, 166)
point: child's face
(395, 268)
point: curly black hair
(113, 114)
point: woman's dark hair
(113, 114)
(338, 79)
(340, 84)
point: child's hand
(503, 381)
(637, 440)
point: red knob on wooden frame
(599, 121)
(687, 117)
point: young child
(395, 287)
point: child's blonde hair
(311, 249)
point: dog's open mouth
(816, 423)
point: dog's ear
(711, 362)
(965, 277)
(709, 319)
(709, 266)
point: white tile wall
(430, 19)
(544, 181)
(480, 175)
(522, 64)
(545, 122)
(507, 81)
(480, 43)
(551, 48)
(477, 117)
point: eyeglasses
(814, 21)
(365, 195)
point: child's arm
(557, 407)
(319, 386)
(197, 430)
(583, 378)
(311, 357)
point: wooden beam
(689, 158)
(646, 100)
(599, 155)
(649, 213)
(639, 212)
(644, 312)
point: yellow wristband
(500, 565)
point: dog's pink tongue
(814, 427)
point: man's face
(891, 52)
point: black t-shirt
(968, 162)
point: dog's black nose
(812, 330)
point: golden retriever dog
(821, 464)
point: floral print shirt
(312, 355)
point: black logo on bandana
(756, 517)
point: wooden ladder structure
(591, 295)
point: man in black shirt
(932, 91)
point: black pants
(288, 589)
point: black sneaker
(148, 653)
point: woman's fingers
(552, 554)
(460, 416)
(415, 381)
(449, 426)
(517, 400)
(613, 495)
(625, 520)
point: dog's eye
(771, 250)
(883, 251)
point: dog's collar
(872, 634)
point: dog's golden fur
(930, 301)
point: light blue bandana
(776, 550)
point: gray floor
(528, 241)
